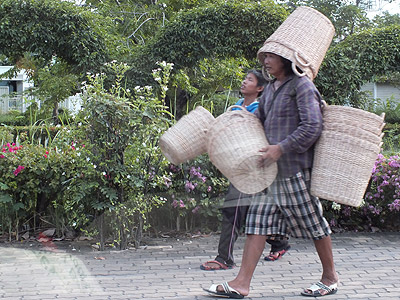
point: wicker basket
(342, 167)
(337, 115)
(187, 138)
(353, 130)
(303, 38)
(234, 142)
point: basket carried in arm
(187, 138)
(234, 143)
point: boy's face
(249, 85)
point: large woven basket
(353, 130)
(187, 138)
(342, 167)
(303, 38)
(234, 143)
(345, 115)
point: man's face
(273, 64)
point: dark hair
(260, 78)
(287, 66)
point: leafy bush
(51, 28)
(358, 60)
(31, 179)
(224, 29)
(12, 118)
(105, 168)
(391, 139)
(391, 108)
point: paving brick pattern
(368, 265)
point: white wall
(382, 91)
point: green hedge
(228, 29)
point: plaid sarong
(288, 209)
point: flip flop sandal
(220, 266)
(228, 292)
(276, 255)
(316, 287)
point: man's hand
(270, 154)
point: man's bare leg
(253, 249)
(324, 249)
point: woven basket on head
(234, 143)
(303, 38)
(342, 167)
(187, 138)
(344, 115)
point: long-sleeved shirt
(292, 122)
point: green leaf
(3, 186)
(18, 206)
(5, 198)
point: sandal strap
(229, 289)
(320, 286)
(221, 266)
(327, 288)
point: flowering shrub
(29, 182)
(194, 191)
(382, 201)
(11, 202)
(124, 127)
(107, 167)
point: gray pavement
(368, 265)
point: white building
(382, 91)
(11, 90)
(12, 94)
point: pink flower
(45, 156)
(209, 189)
(189, 186)
(174, 204)
(17, 170)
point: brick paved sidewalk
(368, 267)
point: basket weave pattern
(345, 154)
(234, 142)
(370, 122)
(186, 139)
